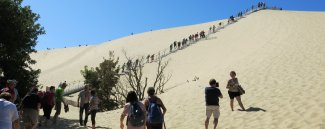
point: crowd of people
(29, 106)
(28, 110)
(140, 115)
(149, 114)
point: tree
(103, 79)
(91, 76)
(135, 80)
(19, 32)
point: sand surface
(279, 57)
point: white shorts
(212, 110)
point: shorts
(232, 95)
(30, 116)
(58, 107)
(212, 110)
(154, 126)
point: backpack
(154, 113)
(136, 116)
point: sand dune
(278, 55)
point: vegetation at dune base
(19, 31)
(103, 79)
(135, 79)
(112, 84)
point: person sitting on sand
(233, 91)
(134, 111)
(212, 95)
(154, 105)
(171, 48)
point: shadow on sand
(254, 109)
(69, 124)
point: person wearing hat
(212, 95)
(10, 88)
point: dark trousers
(93, 116)
(83, 108)
(47, 109)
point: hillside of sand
(279, 57)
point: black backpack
(136, 116)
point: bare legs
(239, 102)
(215, 122)
(207, 122)
(232, 104)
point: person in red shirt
(48, 103)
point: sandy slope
(278, 55)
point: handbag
(241, 90)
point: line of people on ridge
(176, 45)
(185, 41)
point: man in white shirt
(83, 103)
(9, 115)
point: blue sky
(73, 22)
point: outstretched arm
(62, 100)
